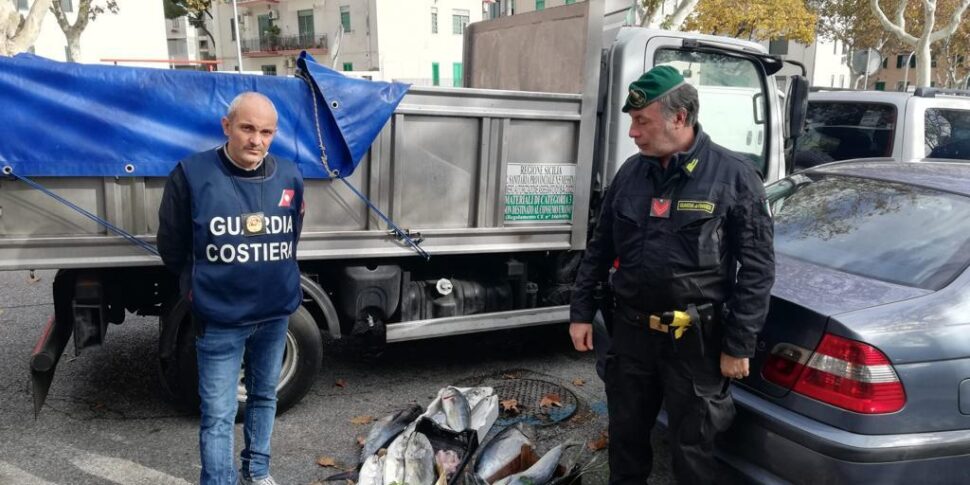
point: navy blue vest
(240, 279)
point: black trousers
(645, 368)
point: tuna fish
(385, 429)
(456, 409)
(419, 461)
(538, 474)
(394, 459)
(380, 435)
(372, 472)
(503, 449)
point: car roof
(858, 96)
(946, 175)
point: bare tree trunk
(14, 36)
(73, 46)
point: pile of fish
(433, 447)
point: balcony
(253, 3)
(269, 46)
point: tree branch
(59, 15)
(951, 28)
(684, 8)
(900, 11)
(891, 27)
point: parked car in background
(843, 125)
(862, 371)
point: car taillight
(842, 372)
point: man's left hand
(734, 367)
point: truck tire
(301, 365)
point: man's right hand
(582, 335)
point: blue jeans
(220, 352)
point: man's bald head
(248, 98)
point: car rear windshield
(888, 231)
(841, 131)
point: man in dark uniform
(229, 222)
(686, 225)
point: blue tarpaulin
(65, 119)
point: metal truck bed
(440, 168)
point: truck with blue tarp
(429, 211)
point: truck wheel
(302, 361)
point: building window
(570, 2)
(67, 6)
(456, 75)
(832, 83)
(880, 85)
(22, 5)
(268, 69)
(933, 62)
(540, 4)
(203, 44)
(434, 20)
(835, 47)
(885, 62)
(345, 17)
(304, 20)
(778, 47)
(842, 81)
(459, 19)
(348, 66)
(232, 29)
(901, 61)
(900, 86)
(435, 74)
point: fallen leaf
(32, 278)
(326, 461)
(578, 382)
(598, 444)
(510, 405)
(509, 376)
(550, 400)
(362, 420)
(340, 383)
(361, 441)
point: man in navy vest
(229, 223)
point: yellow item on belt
(680, 323)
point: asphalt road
(107, 422)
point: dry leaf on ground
(550, 400)
(361, 441)
(326, 461)
(509, 376)
(578, 382)
(600, 443)
(340, 383)
(362, 420)
(510, 405)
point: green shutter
(570, 2)
(435, 74)
(880, 85)
(345, 18)
(348, 66)
(540, 4)
(456, 75)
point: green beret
(651, 86)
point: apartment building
(135, 36)
(414, 41)
(826, 62)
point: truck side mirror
(796, 111)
